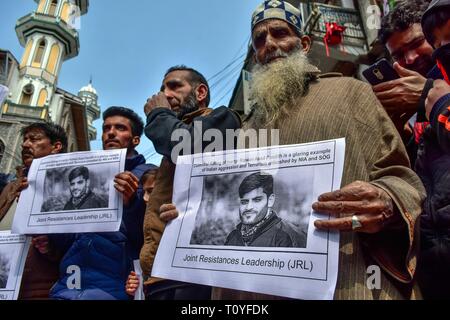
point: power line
(224, 88)
(246, 42)
(233, 78)
(234, 59)
(225, 76)
(227, 93)
(226, 67)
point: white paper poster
(13, 254)
(246, 221)
(71, 193)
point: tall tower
(49, 38)
(90, 98)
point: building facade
(50, 38)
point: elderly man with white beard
(377, 208)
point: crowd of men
(396, 172)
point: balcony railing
(13, 110)
(49, 19)
(350, 18)
(56, 25)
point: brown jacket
(344, 107)
(10, 194)
(40, 272)
(39, 275)
(162, 194)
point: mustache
(111, 140)
(27, 152)
(274, 55)
(250, 211)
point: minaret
(49, 38)
(90, 98)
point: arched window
(53, 6)
(2, 150)
(41, 6)
(39, 54)
(27, 95)
(65, 12)
(53, 59)
(26, 55)
(42, 98)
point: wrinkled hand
(168, 212)
(402, 95)
(440, 89)
(132, 284)
(127, 184)
(372, 205)
(41, 243)
(158, 100)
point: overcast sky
(128, 45)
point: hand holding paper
(127, 184)
(168, 212)
(372, 206)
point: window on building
(26, 55)
(25, 100)
(65, 12)
(53, 6)
(53, 59)
(27, 95)
(10, 67)
(42, 98)
(39, 55)
(41, 6)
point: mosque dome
(88, 89)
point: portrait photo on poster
(6, 255)
(255, 209)
(77, 188)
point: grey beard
(276, 85)
(189, 106)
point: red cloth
(419, 129)
(334, 35)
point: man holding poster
(39, 140)
(377, 208)
(76, 227)
(377, 203)
(104, 271)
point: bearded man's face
(180, 92)
(274, 40)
